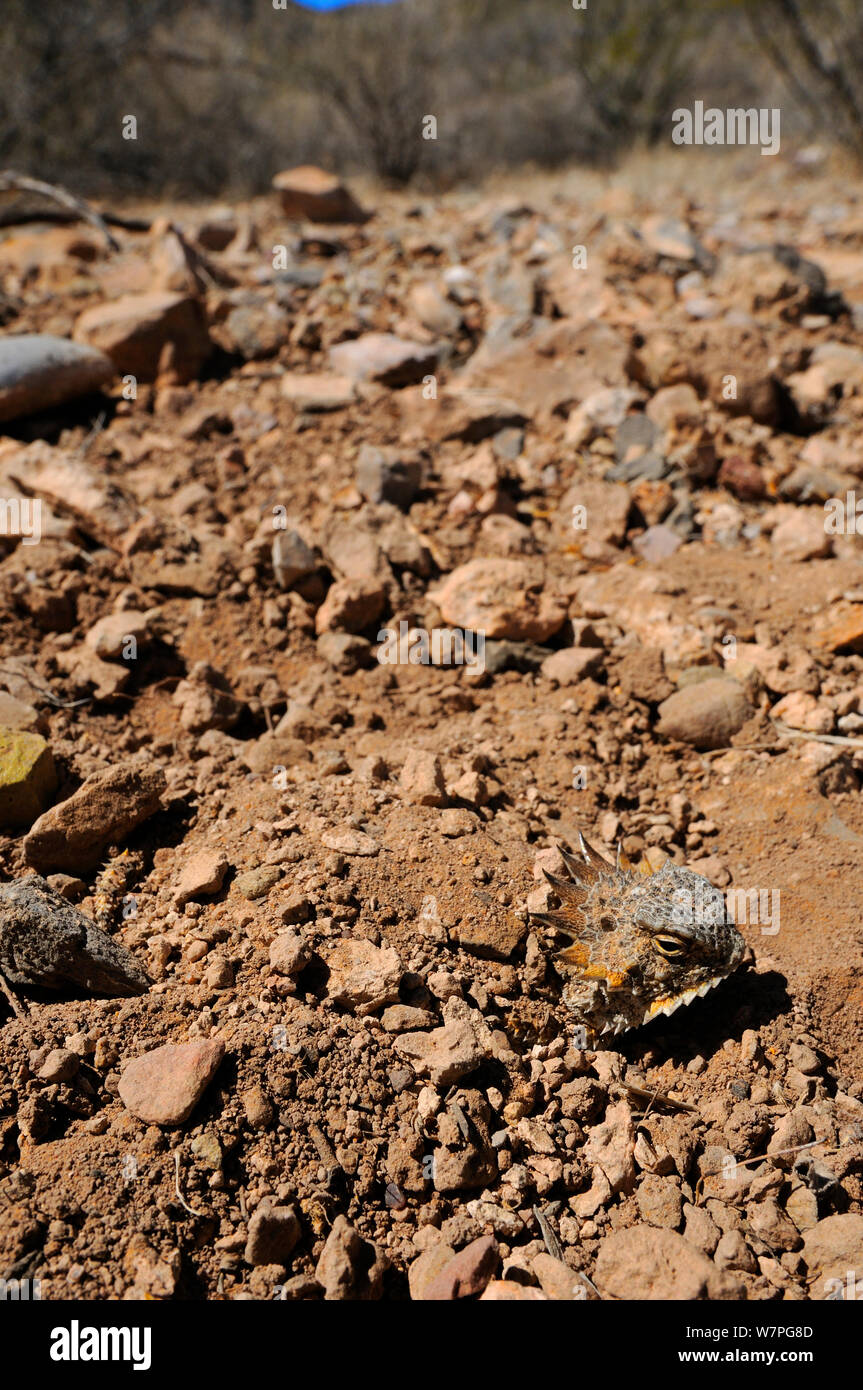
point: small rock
(557, 1280)
(467, 1273)
(804, 1059)
(401, 1018)
(289, 953)
(610, 1147)
(256, 883)
(28, 779)
(163, 1086)
(658, 543)
(18, 715)
(830, 1250)
(508, 1291)
(501, 598)
(144, 333)
(350, 842)
(422, 780)
(660, 1201)
(292, 559)
(200, 877)
(802, 711)
(801, 536)
(259, 1110)
(495, 936)
(309, 193)
(45, 941)
(571, 665)
(219, 973)
(425, 1269)
(351, 605)
(384, 475)
(344, 651)
(60, 1065)
(118, 636)
(273, 1233)
(105, 810)
(649, 1263)
(445, 1055)
(707, 715)
(363, 977)
(732, 1252)
(318, 391)
(385, 358)
(768, 1220)
(350, 1267)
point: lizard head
(642, 944)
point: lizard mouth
(671, 1002)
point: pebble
(445, 1055)
(363, 977)
(135, 330)
(72, 835)
(383, 357)
(45, 941)
(500, 598)
(644, 1262)
(467, 1273)
(706, 715)
(28, 779)
(200, 877)
(60, 1065)
(256, 883)
(163, 1086)
(422, 782)
(289, 953)
(350, 842)
(350, 1267)
(313, 194)
(273, 1233)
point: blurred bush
(226, 92)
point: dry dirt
(404, 805)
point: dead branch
(10, 182)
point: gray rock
(344, 651)
(658, 543)
(47, 942)
(635, 436)
(384, 476)
(38, 371)
(292, 558)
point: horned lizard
(642, 943)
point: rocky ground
(312, 1075)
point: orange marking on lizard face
(614, 979)
(576, 954)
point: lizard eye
(670, 946)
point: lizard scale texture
(641, 944)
